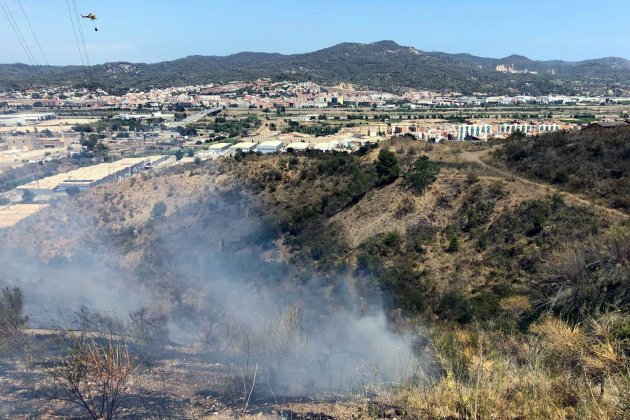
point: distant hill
(381, 65)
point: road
(195, 117)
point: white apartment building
(545, 128)
(528, 129)
(524, 128)
(473, 130)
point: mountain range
(383, 65)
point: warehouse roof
(608, 124)
(219, 146)
(299, 146)
(270, 144)
(10, 215)
(87, 174)
(243, 146)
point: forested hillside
(382, 65)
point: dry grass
(559, 371)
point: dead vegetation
(12, 321)
(526, 293)
(92, 372)
(557, 371)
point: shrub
(407, 287)
(387, 167)
(92, 372)
(477, 214)
(149, 332)
(515, 307)
(587, 279)
(454, 244)
(422, 173)
(159, 209)
(384, 244)
(454, 306)
(12, 318)
(406, 206)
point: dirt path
(475, 157)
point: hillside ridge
(382, 65)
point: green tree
(387, 167)
(90, 141)
(422, 173)
(100, 148)
(179, 154)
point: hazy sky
(156, 30)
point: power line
(16, 31)
(76, 15)
(41, 50)
(18, 34)
(77, 30)
(88, 70)
(74, 31)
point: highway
(195, 117)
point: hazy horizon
(161, 30)
(306, 52)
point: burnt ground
(180, 385)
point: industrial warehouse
(83, 178)
(10, 215)
(42, 191)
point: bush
(387, 167)
(406, 206)
(149, 332)
(478, 214)
(406, 286)
(384, 244)
(454, 244)
(422, 173)
(454, 306)
(587, 279)
(12, 318)
(92, 372)
(159, 209)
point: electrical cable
(77, 14)
(41, 50)
(18, 33)
(74, 31)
